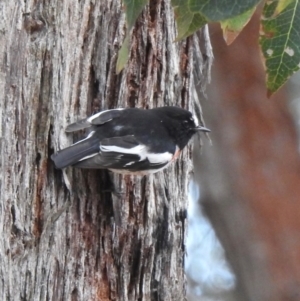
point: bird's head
(191, 124)
(181, 123)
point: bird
(130, 140)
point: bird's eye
(186, 123)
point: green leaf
(282, 4)
(187, 22)
(279, 40)
(123, 55)
(197, 22)
(232, 27)
(217, 10)
(183, 19)
(133, 8)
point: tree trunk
(64, 236)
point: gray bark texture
(64, 236)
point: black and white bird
(130, 141)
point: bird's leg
(112, 179)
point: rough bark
(63, 235)
(250, 177)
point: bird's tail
(76, 152)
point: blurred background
(244, 216)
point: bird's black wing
(96, 119)
(125, 153)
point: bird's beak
(202, 129)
